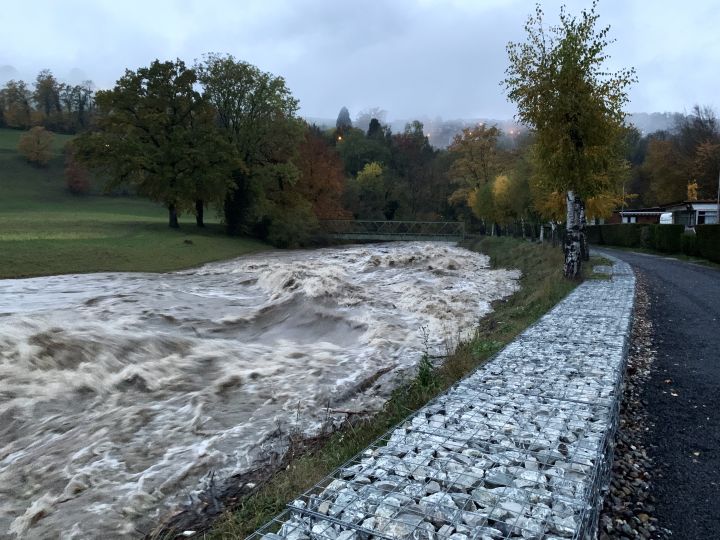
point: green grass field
(44, 229)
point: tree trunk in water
(172, 217)
(572, 249)
(199, 213)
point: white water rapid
(120, 392)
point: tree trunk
(542, 233)
(522, 225)
(572, 249)
(172, 217)
(553, 233)
(199, 213)
(584, 248)
(237, 205)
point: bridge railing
(369, 229)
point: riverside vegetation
(542, 287)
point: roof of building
(654, 210)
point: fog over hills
(441, 131)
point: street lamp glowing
(339, 137)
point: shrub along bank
(704, 243)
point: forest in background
(225, 137)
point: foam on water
(119, 393)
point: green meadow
(44, 229)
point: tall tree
(698, 142)
(15, 99)
(77, 102)
(475, 164)
(375, 129)
(562, 89)
(412, 158)
(364, 117)
(322, 177)
(476, 155)
(258, 114)
(47, 98)
(666, 170)
(343, 121)
(156, 133)
(372, 192)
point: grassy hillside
(44, 229)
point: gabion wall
(518, 449)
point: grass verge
(542, 286)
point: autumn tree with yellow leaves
(558, 80)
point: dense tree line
(223, 136)
(676, 164)
(48, 103)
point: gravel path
(682, 393)
(518, 449)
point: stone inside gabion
(516, 450)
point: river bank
(160, 387)
(542, 286)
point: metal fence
(393, 230)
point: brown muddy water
(120, 393)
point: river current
(120, 393)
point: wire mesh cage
(521, 448)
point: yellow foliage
(550, 205)
(35, 146)
(501, 187)
(692, 191)
(603, 204)
(370, 171)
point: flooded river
(120, 393)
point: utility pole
(717, 219)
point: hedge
(667, 238)
(707, 240)
(626, 234)
(593, 235)
(689, 245)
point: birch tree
(558, 80)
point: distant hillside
(652, 122)
(441, 131)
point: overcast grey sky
(411, 57)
